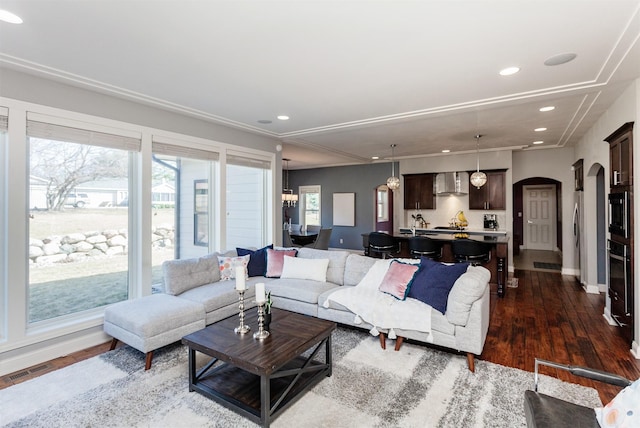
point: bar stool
(470, 251)
(420, 246)
(382, 244)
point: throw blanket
(381, 310)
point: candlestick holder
(261, 334)
(242, 328)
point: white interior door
(540, 217)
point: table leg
(265, 400)
(192, 368)
(329, 356)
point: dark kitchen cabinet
(491, 196)
(419, 192)
(621, 156)
(578, 173)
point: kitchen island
(498, 241)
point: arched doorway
(383, 209)
(537, 225)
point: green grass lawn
(64, 288)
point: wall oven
(619, 214)
(620, 282)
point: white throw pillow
(373, 278)
(298, 268)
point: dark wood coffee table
(260, 379)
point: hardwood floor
(547, 316)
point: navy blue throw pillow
(257, 260)
(433, 282)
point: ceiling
(353, 76)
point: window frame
(302, 210)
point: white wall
(594, 150)
(556, 164)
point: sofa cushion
(466, 290)
(356, 267)
(297, 268)
(275, 261)
(221, 294)
(433, 282)
(397, 279)
(228, 266)
(337, 262)
(257, 260)
(185, 274)
(302, 290)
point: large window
(79, 219)
(310, 213)
(182, 204)
(247, 192)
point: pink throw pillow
(275, 261)
(397, 279)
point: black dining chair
(470, 251)
(422, 246)
(382, 244)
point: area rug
(545, 265)
(417, 386)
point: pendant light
(393, 182)
(478, 178)
(289, 199)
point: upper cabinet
(491, 196)
(621, 156)
(578, 173)
(419, 192)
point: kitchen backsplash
(447, 208)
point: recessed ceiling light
(547, 108)
(375, 157)
(509, 71)
(264, 121)
(540, 129)
(283, 117)
(446, 151)
(562, 58)
(538, 142)
(9, 17)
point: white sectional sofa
(463, 327)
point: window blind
(183, 152)
(248, 162)
(70, 134)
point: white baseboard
(591, 289)
(22, 360)
(607, 316)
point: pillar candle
(240, 278)
(260, 296)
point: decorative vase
(267, 321)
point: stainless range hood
(452, 183)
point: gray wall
(30, 88)
(359, 179)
